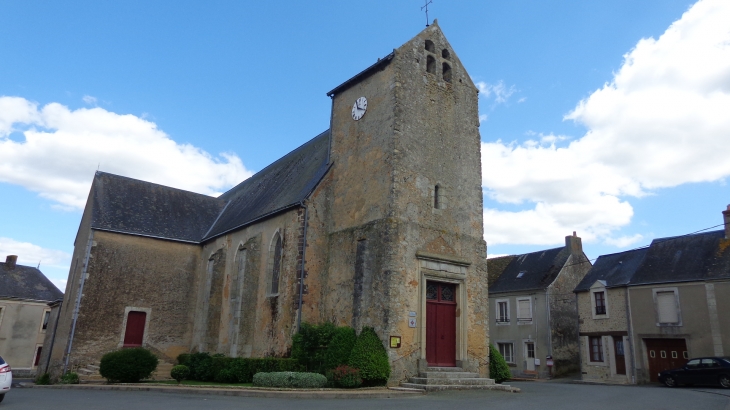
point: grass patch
(199, 383)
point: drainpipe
(632, 362)
(301, 271)
(53, 336)
(78, 300)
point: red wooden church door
(440, 324)
(134, 333)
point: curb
(265, 393)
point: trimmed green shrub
(498, 368)
(340, 347)
(346, 376)
(184, 359)
(128, 365)
(226, 376)
(201, 366)
(369, 356)
(290, 379)
(69, 378)
(309, 345)
(180, 372)
(245, 368)
(43, 380)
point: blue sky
(608, 118)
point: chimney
(574, 244)
(726, 217)
(10, 262)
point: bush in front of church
(297, 380)
(340, 347)
(180, 373)
(370, 358)
(309, 345)
(498, 368)
(128, 365)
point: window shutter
(523, 309)
(667, 307)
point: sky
(611, 119)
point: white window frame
(604, 353)
(496, 309)
(593, 303)
(512, 347)
(676, 301)
(525, 321)
(43, 316)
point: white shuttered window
(524, 310)
(667, 307)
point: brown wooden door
(665, 354)
(618, 344)
(134, 333)
(440, 324)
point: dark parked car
(703, 370)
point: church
(375, 222)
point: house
(667, 303)
(375, 222)
(604, 317)
(24, 315)
(535, 319)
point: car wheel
(669, 381)
(725, 381)
(2, 396)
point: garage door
(665, 354)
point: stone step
(92, 367)
(444, 369)
(452, 382)
(448, 375)
(86, 372)
(438, 387)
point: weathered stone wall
(149, 274)
(564, 314)
(239, 316)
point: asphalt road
(535, 395)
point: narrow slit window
(276, 264)
(436, 199)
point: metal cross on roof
(425, 6)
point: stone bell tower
(405, 231)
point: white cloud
(63, 148)
(663, 121)
(498, 91)
(624, 241)
(89, 100)
(30, 254)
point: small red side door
(134, 332)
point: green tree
(498, 368)
(370, 358)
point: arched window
(430, 47)
(445, 54)
(447, 72)
(275, 253)
(431, 65)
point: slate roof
(283, 184)
(615, 269)
(131, 206)
(540, 270)
(26, 282)
(127, 205)
(685, 258)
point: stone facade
(399, 204)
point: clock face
(359, 108)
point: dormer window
(521, 274)
(430, 65)
(430, 47)
(445, 54)
(446, 72)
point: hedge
(290, 379)
(309, 345)
(204, 367)
(340, 347)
